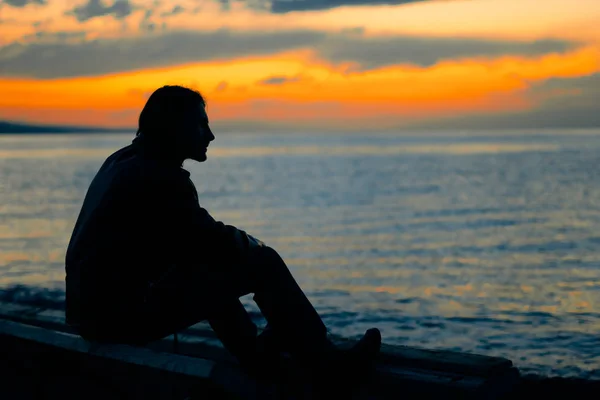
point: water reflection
(487, 246)
(253, 151)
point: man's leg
(233, 326)
(290, 315)
(298, 325)
(284, 305)
(190, 295)
(187, 295)
(293, 320)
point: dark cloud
(357, 30)
(148, 26)
(372, 53)
(23, 3)
(145, 23)
(95, 8)
(226, 4)
(278, 80)
(285, 6)
(563, 103)
(172, 48)
(175, 11)
(59, 36)
(108, 56)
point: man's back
(124, 234)
(140, 217)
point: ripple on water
(481, 244)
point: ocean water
(481, 242)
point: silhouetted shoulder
(130, 166)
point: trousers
(187, 295)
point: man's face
(200, 136)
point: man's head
(174, 119)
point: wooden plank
(401, 367)
(440, 360)
(179, 364)
(55, 319)
(390, 380)
(462, 363)
(195, 342)
(141, 372)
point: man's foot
(328, 365)
(363, 354)
(343, 370)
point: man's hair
(169, 109)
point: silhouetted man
(146, 261)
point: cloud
(356, 30)
(97, 57)
(372, 53)
(286, 6)
(23, 3)
(222, 86)
(175, 11)
(146, 24)
(58, 36)
(102, 56)
(279, 80)
(96, 8)
(562, 103)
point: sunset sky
(322, 64)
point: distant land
(24, 128)
(13, 127)
(19, 128)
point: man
(146, 261)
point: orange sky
(311, 83)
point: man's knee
(266, 260)
(267, 256)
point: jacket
(140, 216)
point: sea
(485, 242)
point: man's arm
(199, 235)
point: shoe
(343, 370)
(369, 345)
(363, 354)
